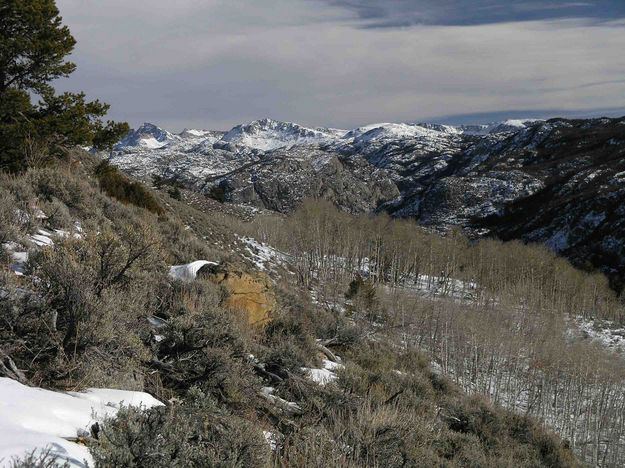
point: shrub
(35, 459)
(87, 318)
(195, 433)
(17, 208)
(378, 377)
(9, 231)
(120, 187)
(58, 215)
(291, 345)
(501, 435)
(203, 346)
(464, 449)
(363, 296)
(312, 446)
(302, 317)
(476, 417)
(183, 245)
(379, 435)
(68, 187)
(286, 354)
(217, 193)
(361, 434)
(174, 192)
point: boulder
(248, 292)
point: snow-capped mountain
(508, 178)
(267, 135)
(511, 125)
(148, 136)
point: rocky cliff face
(580, 210)
(559, 181)
(281, 182)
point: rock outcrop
(250, 293)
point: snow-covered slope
(34, 419)
(267, 135)
(192, 156)
(397, 131)
(189, 133)
(273, 164)
(493, 128)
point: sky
(213, 64)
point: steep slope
(283, 179)
(265, 164)
(580, 210)
(412, 156)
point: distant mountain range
(560, 182)
(268, 134)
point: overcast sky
(343, 63)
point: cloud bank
(216, 63)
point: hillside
(556, 182)
(164, 298)
(280, 295)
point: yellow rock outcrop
(250, 293)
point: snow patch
(289, 406)
(325, 375)
(271, 439)
(263, 256)
(195, 133)
(151, 143)
(19, 258)
(604, 332)
(43, 238)
(268, 135)
(188, 272)
(384, 131)
(34, 419)
(113, 398)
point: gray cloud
(216, 63)
(397, 13)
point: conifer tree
(34, 45)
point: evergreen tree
(34, 45)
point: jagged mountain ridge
(203, 160)
(267, 134)
(555, 181)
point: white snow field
(38, 420)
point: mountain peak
(268, 134)
(147, 136)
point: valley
(555, 182)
